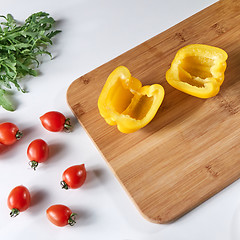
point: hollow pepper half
(198, 70)
(126, 103)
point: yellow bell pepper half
(125, 103)
(198, 70)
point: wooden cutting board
(191, 149)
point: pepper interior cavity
(198, 70)
(195, 70)
(126, 103)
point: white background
(93, 32)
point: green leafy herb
(20, 46)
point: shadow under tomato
(37, 198)
(26, 131)
(55, 149)
(83, 217)
(93, 176)
(3, 150)
(74, 123)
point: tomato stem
(14, 212)
(19, 135)
(67, 125)
(64, 185)
(33, 164)
(71, 220)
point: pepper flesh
(198, 70)
(126, 103)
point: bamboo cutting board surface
(190, 150)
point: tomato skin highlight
(60, 215)
(9, 133)
(54, 121)
(38, 151)
(74, 176)
(19, 198)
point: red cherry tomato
(18, 200)
(60, 215)
(9, 133)
(74, 177)
(55, 121)
(37, 152)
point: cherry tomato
(18, 200)
(9, 133)
(60, 215)
(74, 177)
(55, 121)
(37, 152)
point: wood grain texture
(190, 150)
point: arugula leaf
(4, 102)
(20, 47)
